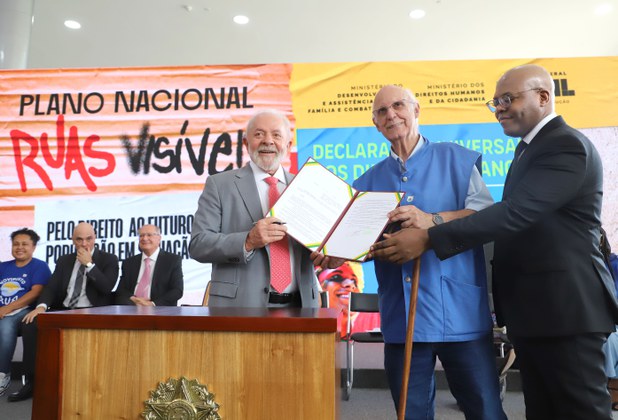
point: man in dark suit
(82, 279)
(153, 277)
(551, 287)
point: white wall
(162, 32)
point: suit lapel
(518, 169)
(296, 246)
(155, 274)
(516, 166)
(288, 177)
(95, 256)
(245, 182)
(69, 268)
(137, 264)
(515, 172)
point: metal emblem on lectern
(181, 399)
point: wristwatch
(436, 219)
(91, 264)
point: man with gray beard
(254, 262)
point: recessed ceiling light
(603, 9)
(417, 14)
(72, 24)
(241, 19)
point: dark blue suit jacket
(167, 280)
(549, 278)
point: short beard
(261, 162)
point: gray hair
(279, 114)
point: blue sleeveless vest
(452, 300)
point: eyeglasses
(507, 99)
(397, 106)
(148, 235)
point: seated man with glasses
(441, 182)
(152, 277)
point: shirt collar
(153, 257)
(419, 144)
(528, 137)
(260, 174)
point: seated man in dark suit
(159, 273)
(82, 279)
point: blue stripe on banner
(348, 152)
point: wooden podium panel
(102, 363)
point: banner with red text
(121, 147)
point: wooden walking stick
(403, 396)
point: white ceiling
(163, 32)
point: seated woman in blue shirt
(21, 282)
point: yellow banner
(450, 92)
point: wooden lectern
(103, 363)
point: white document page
(362, 225)
(312, 203)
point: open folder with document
(324, 213)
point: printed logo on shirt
(10, 288)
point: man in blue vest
(453, 322)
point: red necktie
(144, 282)
(280, 268)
